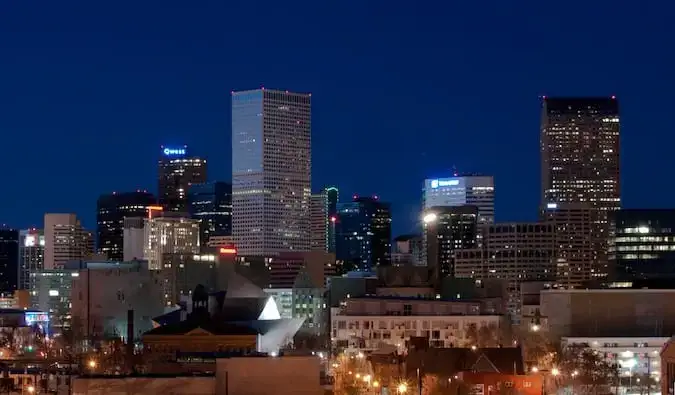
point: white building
(271, 171)
(476, 191)
(133, 238)
(284, 300)
(373, 322)
(31, 255)
(65, 240)
(169, 233)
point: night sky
(401, 90)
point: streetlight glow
(535, 369)
(555, 371)
(402, 388)
(431, 217)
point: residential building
(363, 233)
(169, 233)
(211, 204)
(271, 171)
(111, 211)
(177, 171)
(449, 229)
(31, 255)
(9, 260)
(65, 240)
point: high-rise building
(333, 197)
(112, 209)
(169, 233)
(31, 254)
(363, 233)
(408, 251)
(642, 244)
(271, 171)
(319, 222)
(65, 240)
(472, 190)
(133, 237)
(211, 204)
(177, 171)
(449, 229)
(9, 260)
(580, 171)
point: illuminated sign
(174, 151)
(552, 206)
(228, 251)
(35, 317)
(444, 183)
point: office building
(408, 251)
(471, 190)
(177, 171)
(580, 171)
(642, 244)
(169, 233)
(111, 210)
(31, 255)
(449, 229)
(51, 291)
(182, 273)
(211, 204)
(332, 197)
(133, 238)
(271, 171)
(363, 233)
(9, 260)
(319, 222)
(65, 240)
(515, 253)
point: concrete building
(319, 221)
(177, 171)
(169, 233)
(449, 230)
(9, 260)
(472, 190)
(284, 268)
(31, 255)
(271, 171)
(408, 251)
(133, 238)
(65, 240)
(580, 171)
(515, 253)
(51, 292)
(211, 204)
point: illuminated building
(271, 171)
(408, 251)
(471, 190)
(50, 291)
(580, 171)
(169, 233)
(177, 171)
(211, 204)
(9, 260)
(319, 221)
(112, 209)
(363, 233)
(181, 273)
(642, 244)
(449, 229)
(31, 255)
(65, 240)
(332, 197)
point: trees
(582, 366)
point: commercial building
(177, 171)
(580, 171)
(271, 171)
(408, 251)
(472, 190)
(133, 238)
(363, 233)
(319, 222)
(642, 244)
(51, 291)
(448, 230)
(65, 240)
(31, 255)
(515, 253)
(9, 260)
(211, 204)
(169, 233)
(111, 211)
(332, 199)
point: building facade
(271, 171)
(580, 171)
(133, 238)
(111, 210)
(9, 260)
(31, 255)
(469, 190)
(177, 171)
(642, 244)
(319, 221)
(65, 240)
(211, 204)
(363, 233)
(169, 233)
(51, 291)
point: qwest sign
(444, 183)
(174, 151)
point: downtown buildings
(177, 171)
(9, 257)
(211, 204)
(31, 255)
(65, 240)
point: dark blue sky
(89, 90)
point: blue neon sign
(174, 151)
(444, 183)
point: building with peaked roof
(447, 362)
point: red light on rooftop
(613, 97)
(375, 197)
(227, 250)
(333, 219)
(355, 197)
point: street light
(428, 218)
(535, 369)
(92, 364)
(30, 389)
(402, 388)
(555, 371)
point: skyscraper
(318, 212)
(580, 171)
(177, 171)
(9, 260)
(271, 171)
(363, 233)
(111, 210)
(473, 190)
(332, 197)
(169, 233)
(65, 240)
(449, 229)
(211, 204)
(31, 255)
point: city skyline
(92, 117)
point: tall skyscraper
(473, 190)
(449, 229)
(580, 171)
(65, 240)
(271, 171)
(363, 233)
(319, 221)
(31, 255)
(177, 171)
(211, 204)
(332, 197)
(110, 213)
(169, 233)
(9, 260)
